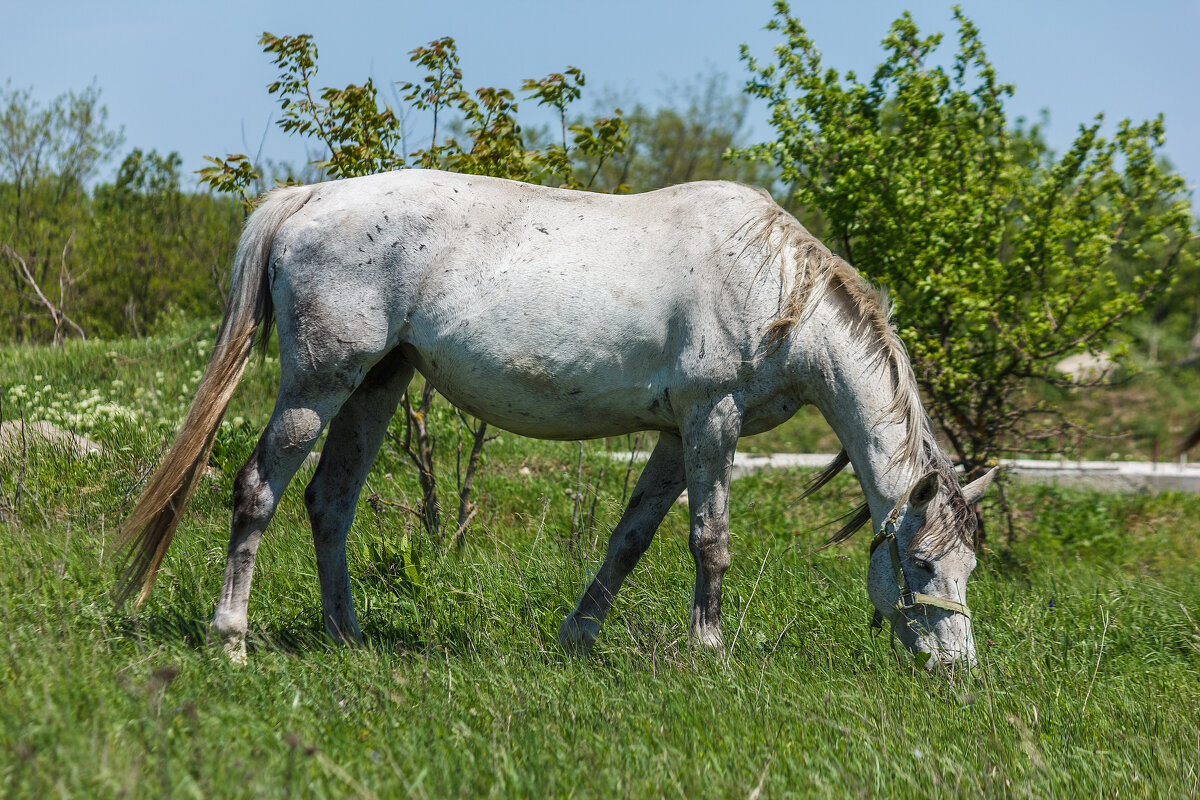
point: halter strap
(909, 599)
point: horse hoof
(232, 639)
(235, 650)
(576, 637)
(345, 638)
(708, 640)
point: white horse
(703, 311)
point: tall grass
(1088, 626)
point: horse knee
(710, 549)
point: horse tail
(151, 525)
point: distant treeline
(79, 258)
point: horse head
(921, 558)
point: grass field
(1088, 623)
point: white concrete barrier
(1118, 476)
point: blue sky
(190, 76)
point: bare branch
(56, 314)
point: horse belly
(529, 396)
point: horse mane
(810, 274)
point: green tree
(47, 156)
(997, 254)
(360, 135)
(154, 245)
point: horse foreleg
(332, 496)
(710, 435)
(657, 488)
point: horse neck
(848, 374)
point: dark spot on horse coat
(251, 494)
(637, 540)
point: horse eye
(921, 563)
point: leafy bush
(1001, 258)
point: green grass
(460, 689)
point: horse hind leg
(306, 403)
(332, 496)
(656, 490)
(288, 438)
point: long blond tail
(150, 527)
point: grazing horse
(703, 311)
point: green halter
(909, 599)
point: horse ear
(975, 489)
(923, 492)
